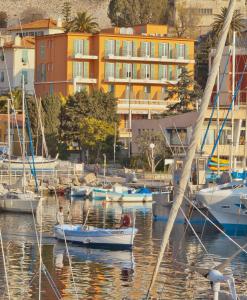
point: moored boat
(97, 237)
(140, 195)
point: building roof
(38, 24)
(25, 42)
(178, 121)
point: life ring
(125, 221)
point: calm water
(104, 274)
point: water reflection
(104, 274)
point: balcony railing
(79, 79)
(172, 57)
(148, 80)
(83, 56)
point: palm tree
(237, 23)
(84, 23)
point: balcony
(142, 57)
(161, 81)
(83, 56)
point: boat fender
(125, 221)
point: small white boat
(140, 195)
(98, 237)
(21, 202)
(80, 191)
(99, 193)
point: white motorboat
(18, 201)
(227, 203)
(99, 193)
(80, 191)
(140, 195)
(99, 237)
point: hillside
(98, 8)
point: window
(24, 58)
(180, 50)
(24, 76)
(147, 89)
(51, 89)
(43, 72)
(109, 47)
(127, 48)
(2, 76)
(78, 47)
(162, 72)
(163, 50)
(109, 70)
(77, 69)
(204, 11)
(145, 71)
(145, 49)
(127, 71)
(42, 49)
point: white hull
(80, 191)
(99, 194)
(96, 236)
(226, 204)
(19, 202)
(40, 164)
(124, 197)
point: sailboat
(15, 197)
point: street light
(152, 145)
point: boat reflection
(122, 259)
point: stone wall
(97, 8)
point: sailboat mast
(23, 133)
(9, 142)
(233, 92)
(218, 121)
(186, 171)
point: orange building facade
(138, 65)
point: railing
(142, 102)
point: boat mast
(218, 121)
(186, 171)
(9, 142)
(233, 102)
(23, 134)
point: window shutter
(160, 50)
(125, 48)
(134, 71)
(134, 49)
(118, 48)
(152, 49)
(186, 52)
(170, 72)
(178, 51)
(107, 71)
(86, 47)
(143, 71)
(143, 51)
(152, 72)
(86, 69)
(170, 51)
(160, 72)
(117, 70)
(106, 48)
(125, 70)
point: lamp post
(152, 145)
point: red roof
(38, 24)
(26, 42)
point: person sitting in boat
(59, 216)
(125, 221)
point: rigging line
(4, 264)
(69, 258)
(192, 228)
(230, 108)
(215, 102)
(51, 282)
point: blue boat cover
(143, 191)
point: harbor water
(106, 274)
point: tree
(160, 149)
(186, 93)
(133, 12)
(3, 19)
(66, 12)
(237, 24)
(185, 21)
(98, 106)
(31, 14)
(83, 23)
